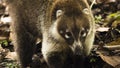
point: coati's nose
(78, 48)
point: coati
(66, 28)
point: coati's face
(74, 29)
(74, 26)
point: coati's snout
(77, 48)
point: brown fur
(60, 52)
(36, 18)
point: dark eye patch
(66, 34)
(83, 34)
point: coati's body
(66, 28)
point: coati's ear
(86, 11)
(59, 13)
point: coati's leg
(23, 40)
(23, 37)
(25, 44)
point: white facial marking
(67, 30)
(66, 36)
(61, 32)
(84, 34)
(83, 29)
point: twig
(92, 3)
(113, 47)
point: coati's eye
(67, 36)
(83, 34)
